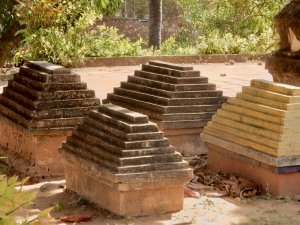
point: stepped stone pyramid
(175, 97)
(38, 109)
(120, 161)
(257, 135)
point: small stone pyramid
(38, 109)
(260, 127)
(120, 161)
(174, 96)
(46, 96)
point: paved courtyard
(104, 79)
(229, 78)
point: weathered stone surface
(46, 96)
(38, 109)
(120, 152)
(173, 96)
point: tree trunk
(155, 20)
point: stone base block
(32, 153)
(131, 201)
(186, 141)
(282, 65)
(279, 184)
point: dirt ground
(203, 210)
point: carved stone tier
(38, 109)
(175, 97)
(120, 161)
(257, 135)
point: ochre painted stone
(256, 135)
(278, 184)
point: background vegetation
(65, 32)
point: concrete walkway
(104, 79)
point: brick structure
(256, 135)
(38, 109)
(120, 161)
(175, 97)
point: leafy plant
(11, 200)
(59, 206)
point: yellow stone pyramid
(264, 117)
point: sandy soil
(204, 210)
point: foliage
(11, 200)
(35, 20)
(239, 17)
(215, 43)
(104, 41)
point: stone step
(241, 133)
(166, 166)
(170, 65)
(119, 133)
(146, 105)
(255, 122)
(276, 87)
(122, 161)
(29, 123)
(243, 125)
(170, 79)
(45, 114)
(152, 114)
(48, 67)
(48, 86)
(111, 149)
(182, 124)
(264, 109)
(43, 77)
(125, 114)
(167, 101)
(13, 116)
(123, 169)
(261, 115)
(170, 94)
(123, 125)
(55, 95)
(188, 116)
(43, 105)
(251, 144)
(169, 71)
(141, 160)
(162, 109)
(271, 95)
(268, 102)
(82, 153)
(88, 132)
(171, 87)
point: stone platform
(175, 97)
(120, 161)
(284, 67)
(256, 135)
(38, 109)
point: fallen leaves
(73, 219)
(218, 184)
